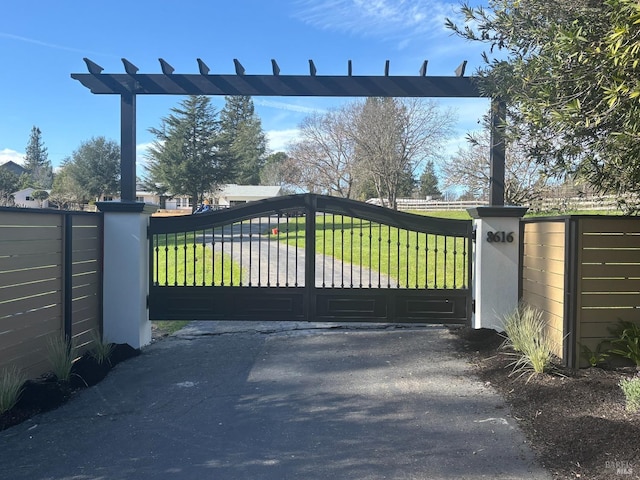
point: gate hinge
(473, 305)
(473, 235)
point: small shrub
(11, 385)
(631, 389)
(627, 341)
(100, 349)
(594, 357)
(527, 334)
(60, 357)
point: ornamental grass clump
(60, 357)
(631, 389)
(100, 350)
(526, 333)
(11, 384)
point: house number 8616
(500, 237)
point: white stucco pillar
(496, 264)
(126, 273)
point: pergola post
(497, 152)
(128, 147)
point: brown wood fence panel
(32, 283)
(86, 280)
(543, 274)
(609, 276)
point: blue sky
(43, 42)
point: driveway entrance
(277, 401)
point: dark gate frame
(179, 298)
(131, 83)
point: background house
(231, 195)
(24, 198)
(13, 167)
(226, 196)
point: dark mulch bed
(575, 420)
(47, 392)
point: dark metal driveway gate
(310, 257)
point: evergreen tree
(185, 158)
(37, 164)
(242, 139)
(9, 183)
(95, 167)
(429, 182)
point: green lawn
(413, 260)
(183, 259)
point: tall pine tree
(185, 158)
(36, 163)
(242, 139)
(429, 182)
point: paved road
(279, 401)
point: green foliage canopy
(95, 168)
(242, 139)
(569, 71)
(185, 158)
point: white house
(24, 199)
(232, 195)
(226, 196)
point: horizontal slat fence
(608, 276)
(583, 272)
(543, 274)
(50, 283)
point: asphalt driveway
(279, 401)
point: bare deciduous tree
(322, 160)
(470, 168)
(395, 136)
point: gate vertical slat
(278, 253)
(297, 234)
(286, 274)
(311, 204)
(241, 247)
(250, 252)
(389, 256)
(259, 251)
(417, 257)
(342, 251)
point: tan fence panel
(543, 275)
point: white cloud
(279, 139)
(388, 19)
(51, 45)
(7, 155)
(292, 107)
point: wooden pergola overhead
(312, 85)
(132, 83)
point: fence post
(126, 272)
(496, 264)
